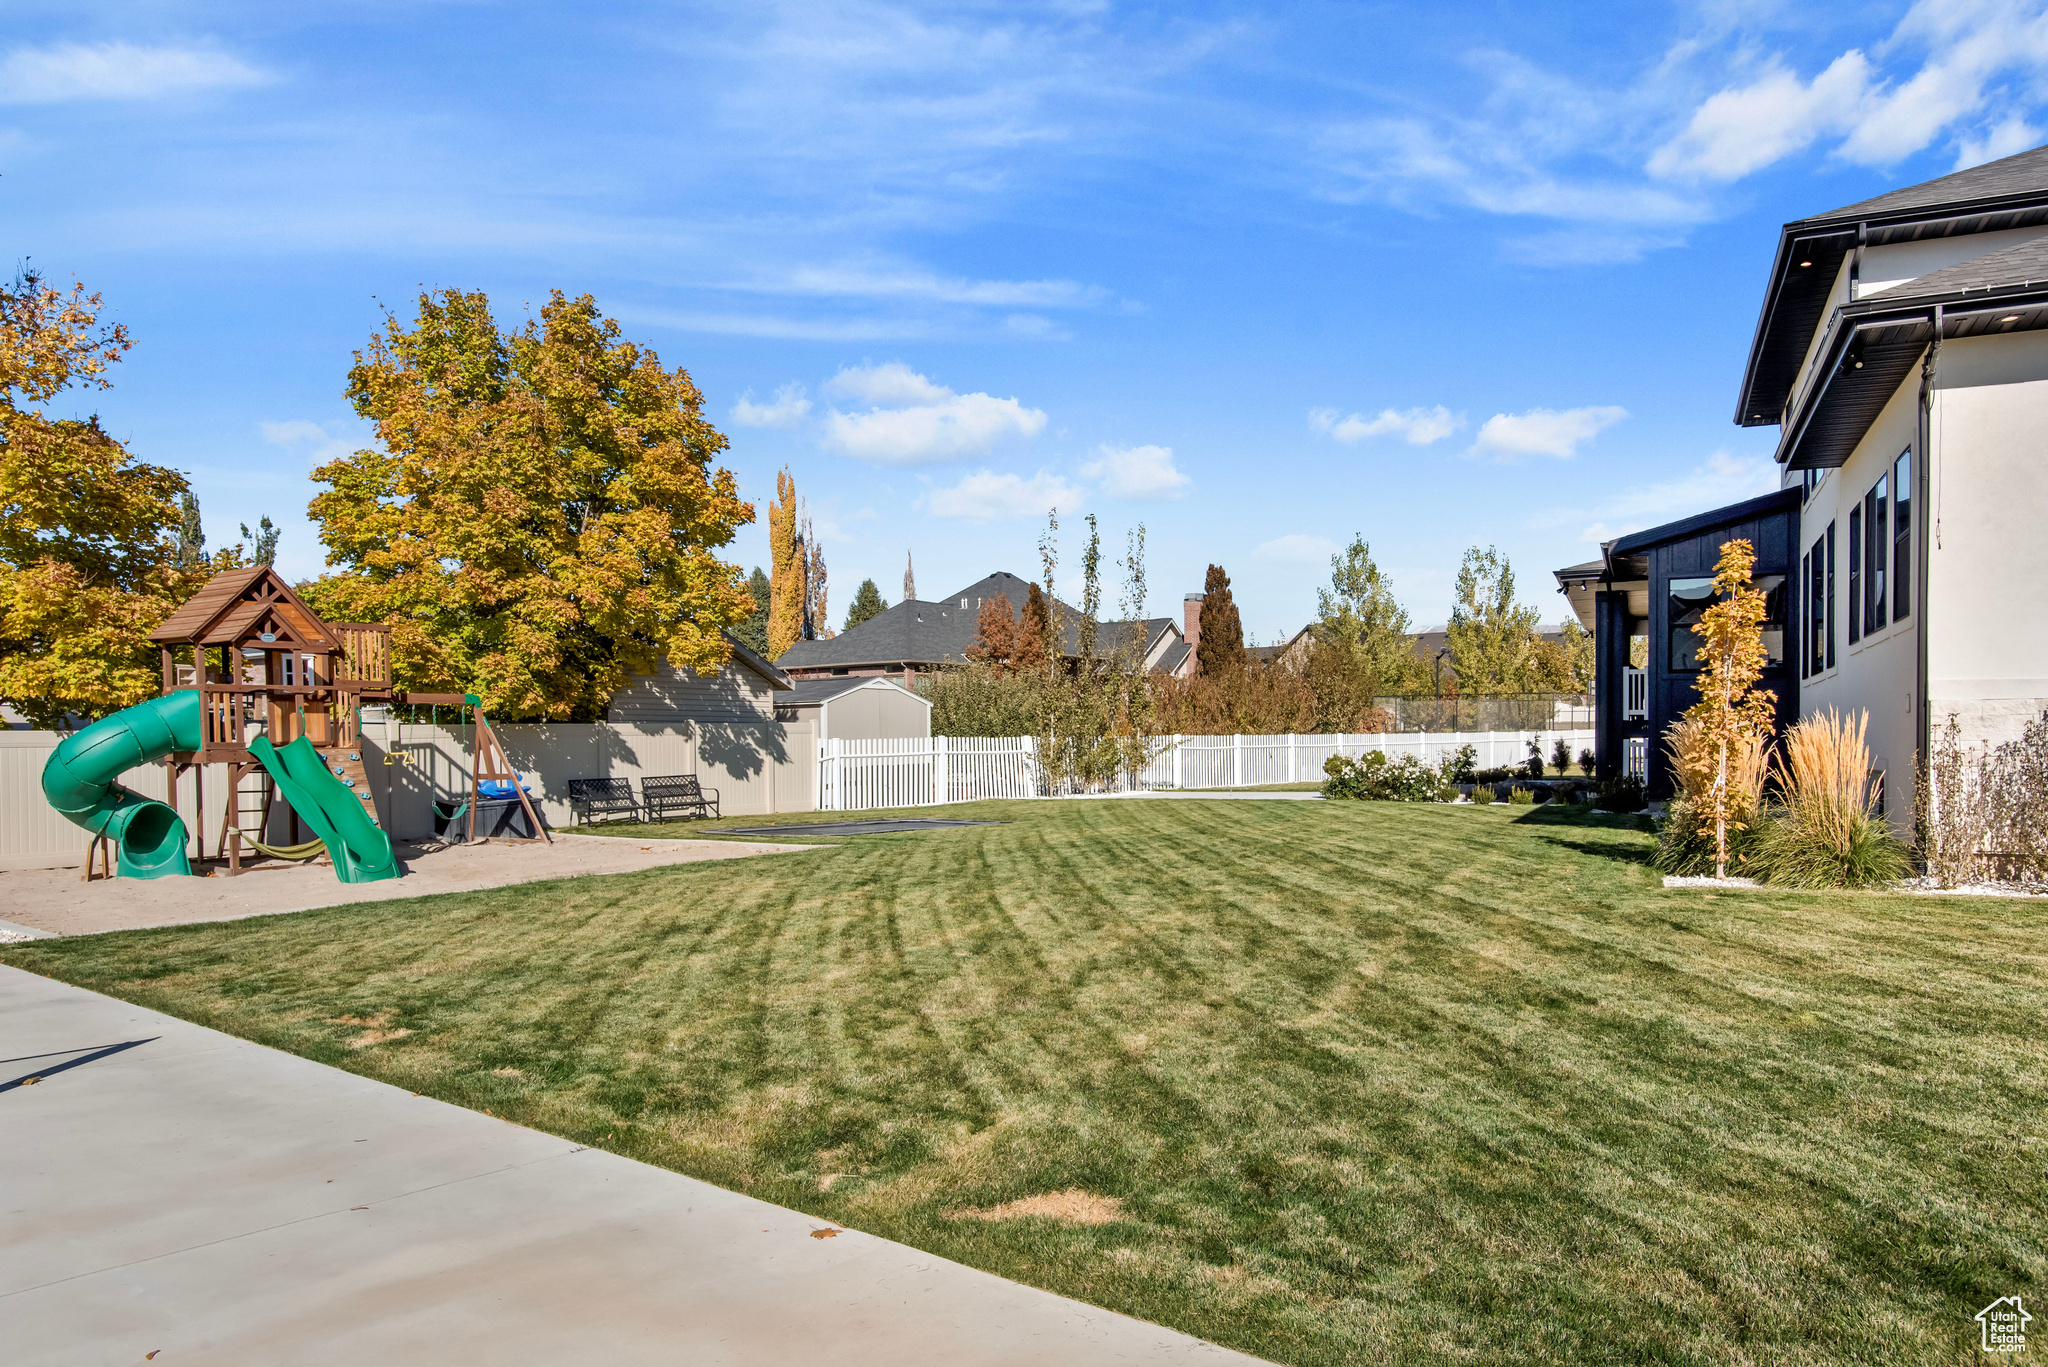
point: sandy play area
(55, 900)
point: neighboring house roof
(2005, 194)
(1174, 659)
(743, 654)
(926, 634)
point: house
(746, 690)
(918, 637)
(849, 708)
(1902, 352)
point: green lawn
(1372, 1082)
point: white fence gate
(861, 775)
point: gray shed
(856, 709)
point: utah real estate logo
(2004, 1322)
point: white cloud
(1544, 431)
(1723, 479)
(786, 411)
(310, 438)
(921, 421)
(1298, 548)
(116, 71)
(1137, 472)
(914, 284)
(989, 497)
(1416, 426)
(1878, 118)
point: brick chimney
(1191, 623)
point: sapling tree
(1732, 710)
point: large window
(1689, 600)
(1902, 536)
(1877, 550)
(1806, 597)
(1855, 575)
(1829, 615)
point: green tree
(753, 632)
(867, 602)
(1359, 644)
(1493, 639)
(263, 542)
(191, 531)
(88, 556)
(1220, 649)
(1579, 655)
(542, 516)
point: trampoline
(853, 827)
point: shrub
(1459, 764)
(1586, 762)
(1521, 797)
(1561, 756)
(1534, 768)
(1828, 834)
(1497, 775)
(1375, 778)
(1984, 813)
(1483, 794)
(1685, 843)
(1623, 793)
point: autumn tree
(815, 619)
(995, 634)
(867, 602)
(1359, 643)
(88, 550)
(1580, 658)
(1220, 648)
(542, 514)
(1491, 637)
(753, 632)
(262, 542)
(1733, 715)
(1034, 630)
(785, 569)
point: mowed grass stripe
(1373, 1083)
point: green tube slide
(78, 780)
(362, 853)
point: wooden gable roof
(232, 604)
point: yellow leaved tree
(1733, 717)
(88, 563)
(541, 518)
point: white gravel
(1711, 883)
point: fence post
(1290, 757)
(942, 790)
(1176, 759)
(1237, 761)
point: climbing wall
(347, 765)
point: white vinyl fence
(860, 775)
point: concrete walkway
(167, 1187)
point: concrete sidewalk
(167, 1187)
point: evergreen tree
(1033, 631)
(1221, 647)
(191, 534)
(909, 580)
(753, 632)
(995, 634)
(867, 602)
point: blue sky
(1258, 277)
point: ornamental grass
(1828, 833)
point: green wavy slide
(79, 781)
(361, 851)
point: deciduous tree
(1359, 645)
(88, 556)
(785, 570)
(1034, 630)
(1732, 712)
(542, 515)
(995, 634)
(1492, 638)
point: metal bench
(594, 798)
(677, 793)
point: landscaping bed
(1328, 1082)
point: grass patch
(1328, 1082)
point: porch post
(1610, 658)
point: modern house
(917, 637)
(1902, 352)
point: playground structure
(270, 691)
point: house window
(1828, 617)
(1902, 529)
(1806, 596)
(1876, 551)
(1855, 575)
(1689, 600)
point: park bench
(591, 799)
(677, 793)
